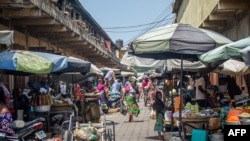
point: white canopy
(95, 69)
(127, 73)
(233, 67)
(131, 60)
(245, 54)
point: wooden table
(193, 123)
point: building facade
(228, 17)
(57, 26)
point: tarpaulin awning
(6, 37)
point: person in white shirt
(110, 75)
(200, 91)
(63, 89)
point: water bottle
(31, 108)
(196, 109)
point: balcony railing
(60, 17)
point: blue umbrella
(31, 62)
(75, 72)
(75, 65)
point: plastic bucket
(216, 137)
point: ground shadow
(152, 138)
(134, 121)
(115, 123)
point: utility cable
(154, 26)
(143, 29)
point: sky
(127, 19)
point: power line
(135, 26)
(143, 29)
(154, 26)
(163, 13)
(167, 10)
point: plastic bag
(152, 114)
(168, 115)
(87, 134)
(123, 109)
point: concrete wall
(194, 12)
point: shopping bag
(153, 114)
(123, 108)
(168, 115)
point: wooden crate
(61, 108)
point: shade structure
(6, 37)
(245, 55)
(31, 62)
(135, 61)
(176, 41)
(73, 77)
(96, 70)
(127, 73)
(190, 66)
(225, 52)
(229, 67)
(233, 67)
(77, 77)
(76, 65)
(170, 41)
(171, 64)
(106, 69)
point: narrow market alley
(142, 129)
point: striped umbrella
(31, 62)
(176, 41)
(170, 41)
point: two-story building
(57, 26)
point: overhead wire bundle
(164, 18)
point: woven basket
(214, 124)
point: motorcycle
(26, 131)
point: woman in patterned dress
(5, 115)
(130, 98)
(159, 107)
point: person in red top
(145, 81)
(151, 88)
